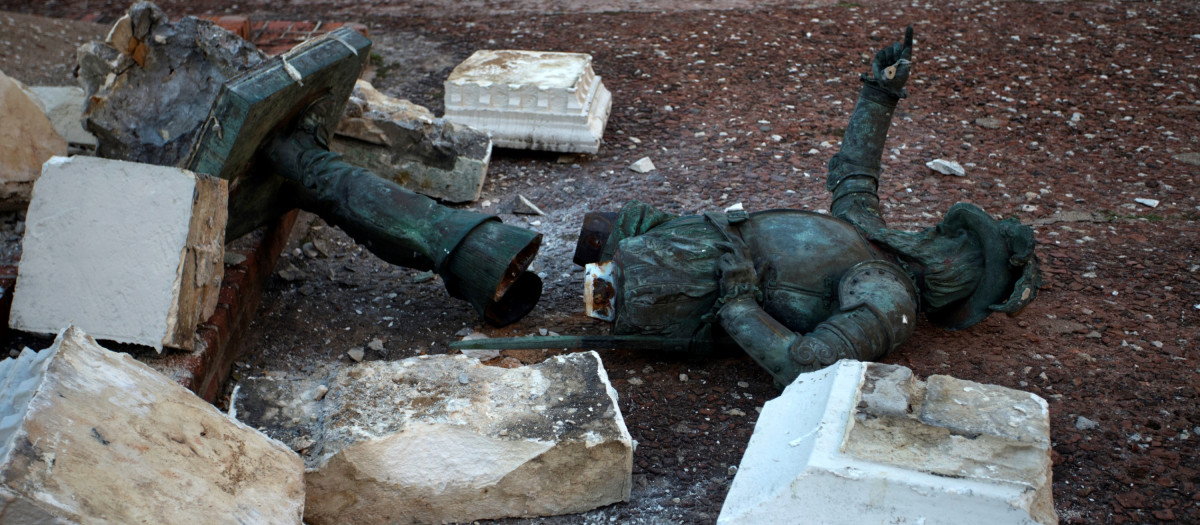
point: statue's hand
(737, 275)
(892, 65)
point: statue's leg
(480, 259)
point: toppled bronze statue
(799, 290)
(192, 95)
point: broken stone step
(93, 436)
(402, 142)
(868, 443)
(537, 100)
(128, 252)
(437, 439)
(27, 139)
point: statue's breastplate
(802, 257)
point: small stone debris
(683, 378)
(526, 207)
(376, 344)
(989, 123)
(1151, 203)
(1192, 158)
(356, 354)
(1083, 423)
(946, 167)
(481, 354)
(309, 250)
(289, 273)
(643, 165)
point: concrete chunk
(531, 99)
(401, 141)
(27, 139)
(128, 252)
(92, 436)
(444, 439)
(867, 443)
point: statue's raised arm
(854, 170)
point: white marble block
(860, 443)
(530, 99)
(128, 252)
(444, 439)
(92, 436)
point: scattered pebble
(636, 381)
(1083, 423)
(1192, 158)
(376, 344)
(319, 392)
(946, 167)
(989, 122)
(643, 165)
(1153, 203)
(356, 354)
(309, 250)
(683, 378)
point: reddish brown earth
(758, 98)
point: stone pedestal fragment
(128, 252)
(27, 139)
(401, 141)
(530, 99)
(867, 443)
(444, 439)
(64, 108)
(92, 436)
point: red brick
(238, 25)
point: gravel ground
(1062, 113)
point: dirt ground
(1062, 113)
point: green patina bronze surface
(267, 133)
(798, 290)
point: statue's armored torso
(666, 283)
